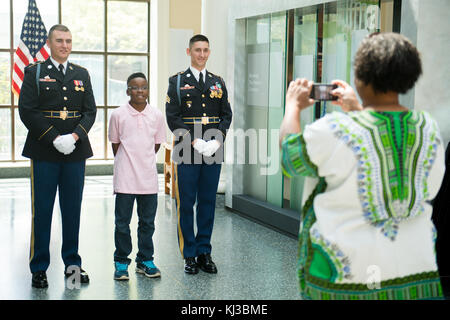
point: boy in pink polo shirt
(136, 131)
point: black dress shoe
(190, 266)
(205, 263)
(84, 278)
(39, 280)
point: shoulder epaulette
(181, 72)
(35, 64)
(77, 65)
(215, 75)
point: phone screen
(322, 92)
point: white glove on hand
(65, 144)
(69, 150)
(211, 147)
(200, 145)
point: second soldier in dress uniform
(57, 106)
(199, 114)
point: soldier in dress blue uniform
(57, 106)
(199, 114)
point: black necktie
(61, 68)
(200, 80)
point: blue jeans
(146, 209)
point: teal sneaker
(148, 268)
(121, 272)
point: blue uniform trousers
(196, 183)
(46, 178)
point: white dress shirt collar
(56, 64)
(196, 73)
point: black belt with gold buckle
(63, 115)
(202, 120)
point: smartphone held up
(322, 92)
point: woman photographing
(366, 229)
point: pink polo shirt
(135, 161)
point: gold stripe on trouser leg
(177, 195)
(32, 212)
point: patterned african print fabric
(366, 230)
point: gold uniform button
(203, 95)
(203, 105)
(188, 95)
(65, 98)
(64, 88)
(204, 114)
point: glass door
(256, 106)
(345, 25)
(304, 66)
(277, 85)
(317, 43)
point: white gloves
(206, 148)
(65, 143)
(211, 147)
(200, 145)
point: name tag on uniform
(47, 79)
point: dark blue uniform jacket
(205, 109)
(64, 104)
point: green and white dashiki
(366, 229)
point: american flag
(31, 47)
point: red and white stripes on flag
(31, 47)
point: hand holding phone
(346, 97)
(297, 95)
(322, 92)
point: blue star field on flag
(34, 33)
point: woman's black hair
(388, 62)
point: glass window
(94, 63)
(89, 16)
(257, 100)
(5, 79)
(265, 91)
(119, 68)
(127, 26)
(277, 87)
(324, 39)
(4, 25)
(20, 135)
(345, 24)
(110, 154)
(108, 65)
(305, 51)
(96, 135)
(304, 66)
(5, 133)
